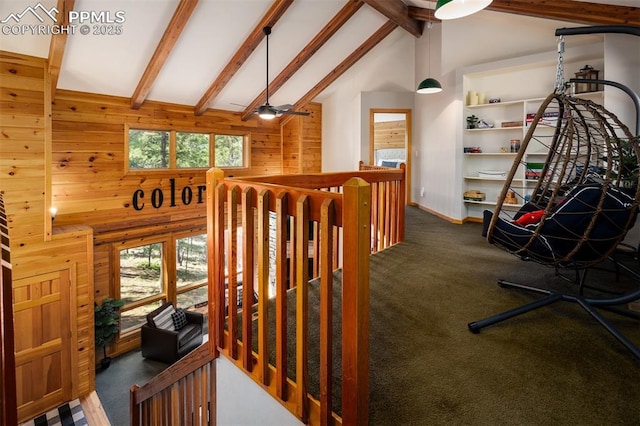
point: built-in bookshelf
(504, 101)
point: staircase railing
(183, 394)
(258, 222)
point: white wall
(388, 68)
(242, 402)
(437, 133)
(622, 62)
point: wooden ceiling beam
(354, 57)
(58, 43)
(571, 11)
(163, 50)
(398, 12)
(423, 14)
(561, 10)
(242, 54)
(347, 11)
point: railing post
(134, 407)
(402, 197)
(355, 302)
(214, 176)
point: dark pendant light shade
(429, 85)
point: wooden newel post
(355, 302)
(214, 244)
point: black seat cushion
(575, 229)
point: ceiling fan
(268, 111)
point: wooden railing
(388, 199)
(350, 214)
(183, 394)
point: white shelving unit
(495, 153)
(522, 84)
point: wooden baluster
(375, 209)
(315, 248)
(292, 244)
(248, 238)
(302, 308)
(281, 295)
(325, 255)
(215, 247)
(387, 215)
(393, 198)
(232, 270)
(402, 202)
(355, 302)
(263, 286)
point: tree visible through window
(229, 150)
(191, 270)
(148, 149)
(140, 279)
(170, 149)
(192, 150)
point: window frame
(173, 167)
(164, 281)
(184, 289)
(168, 276)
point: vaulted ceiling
(211, 53)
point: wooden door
(42, 342)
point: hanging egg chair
(577, 201)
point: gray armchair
(162, 341)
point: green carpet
(554, 366)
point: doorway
(390, 140)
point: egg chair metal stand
(576, 205)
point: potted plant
(107, 325)
(471, 122)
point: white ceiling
(114, 64)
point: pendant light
(429, 85)
(452, 9)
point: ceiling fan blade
(284, 107)
(293, 112)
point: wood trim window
(151, 271)
(151, 149)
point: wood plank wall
(91, 186)
(44, 258)
(301, 142)
(389, 134)
(89, 181)
(71, 154)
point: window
(150, 149)
(192, 150)
(191, 270)
(141, 283)
(147, 272)
(229, 150)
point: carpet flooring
(553, 366)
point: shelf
(493, 203)
(491, 154)
(496, 104)
(483, 178)
(494, 128)
(491, 179)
